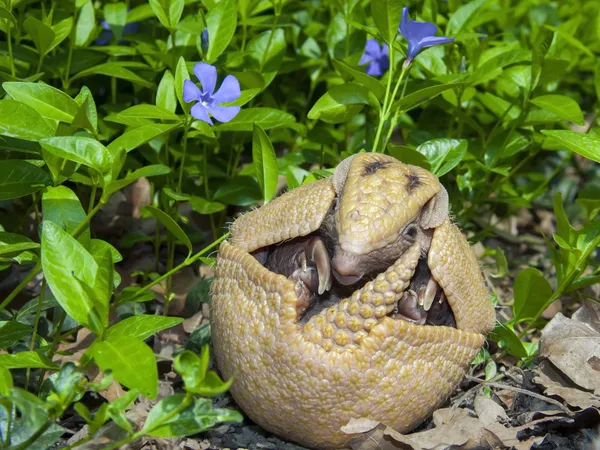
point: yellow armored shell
(304, 381)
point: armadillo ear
(435, 210)
(340, 174)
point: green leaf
(386, 15)
(11, 332)
(508, 340)
(192, 368)
(6, 14)
(165, 96)
(141, 112)
(221, 22)
(597, 80)
(141, 327)
(64, 262)
(12, 244)
(203, 206)
(115, 15)
(239, 191)
(265, 163)
(87, 115)
(463, 16)
(46, 100)
(414, 99)
(159, 12)
(443, 154)
(564, 107)
(266, 118)
(116, 70)
(136, 137)
(170, 225)
(175, 11)
(6, 381)
(23, 122)
(584, 144)
(27, 359)
(19, 178)
(194, 419)
(532, 290)
(573, 41)
(181, 74)
(409, 156)
(132, 362)
(340, 103)
(61, 206)
(371, 83)
(41, 34)
(79, 149)
(86, 23)
(538, 56)
(148, 171)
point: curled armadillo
(352, 296)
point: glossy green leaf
(564, 107)
(148, 171)
(196, 418)
(181, 74)
(221, 22)
(12, 244)
(46, 100)
(86, 23)
(6, 381)
(115, 15)
(340, 103)
(371, 83)
(266, 118)
(386, 15)
(12, 331)
(532, 290)
(41, 34)
(159, 12)
(240, 191)
(462, 17)
(443, 154)
(66, 265)
(165, 96)
(87, 115)
(62, 207)
(508, 340)
(132, 362)
(136, 137)
(170, 225)
(415, 98)
(142, 112)
(265, 163)
(19, 178)
(26, 359)
(141, 327)
(116, 70)
(203, 206)
(23, 122)
(584, 144)
(79, 149)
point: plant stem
(10, 49)
(396, 113)
(38, 313)
(382, 117)
(187, 262)
(50, 354)
(21, 286)
(184, 145)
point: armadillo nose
(345, 268)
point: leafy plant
(97, 96)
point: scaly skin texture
(351, 360)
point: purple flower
(107, 34)
(204, 41)
(209, 100)
(377, 56)
(419, 35)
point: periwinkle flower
(377, 56)
(208, 100)
(204, 41)
(107, 34)
(419, 35)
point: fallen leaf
(361, 425)
(573, 345)
(574, 397)
(488, 410)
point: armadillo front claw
(427, 294)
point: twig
(525, 392)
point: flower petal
(434, 40)
(374, 69)
(200, 112)
(228, 92)
(403, 28)
(207, 75)
(420, 30)
(372, 51)
(191, 92)
(224, 113)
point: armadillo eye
(410, 232)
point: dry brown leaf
(507, 396)
(191, 323)
(361, 425)
(488, 410)
(573, 346)
(574, 397)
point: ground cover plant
(132, 133)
